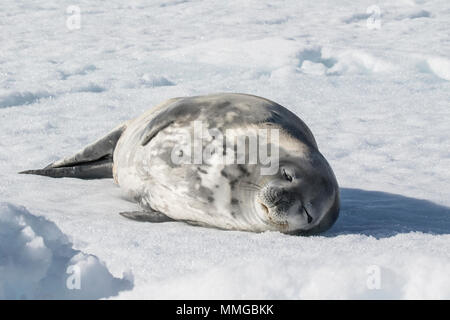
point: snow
(38, 260)
(377, 101)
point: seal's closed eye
(287, 176)
(310, 219)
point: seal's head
(301, 198)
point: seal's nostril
(264, 207)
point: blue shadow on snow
(381, 215)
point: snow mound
(149, 80)
(438, 66)
(360, 62)
(315, 61)
(37, 261)
(325, 61)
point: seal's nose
(273, 197)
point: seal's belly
(166, 177)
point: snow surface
(377, 101)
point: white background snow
(377, 101)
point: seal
(230, 161)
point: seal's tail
(93, 162)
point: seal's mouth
(271, 218)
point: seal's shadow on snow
(381, 215)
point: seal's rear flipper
(146, 216)
(93, 162)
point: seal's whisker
(248, 183)
(249, 188)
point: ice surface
(377, 101)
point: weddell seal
(230, 161)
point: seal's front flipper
(146, 216)
(153, 128)
(93, 162)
